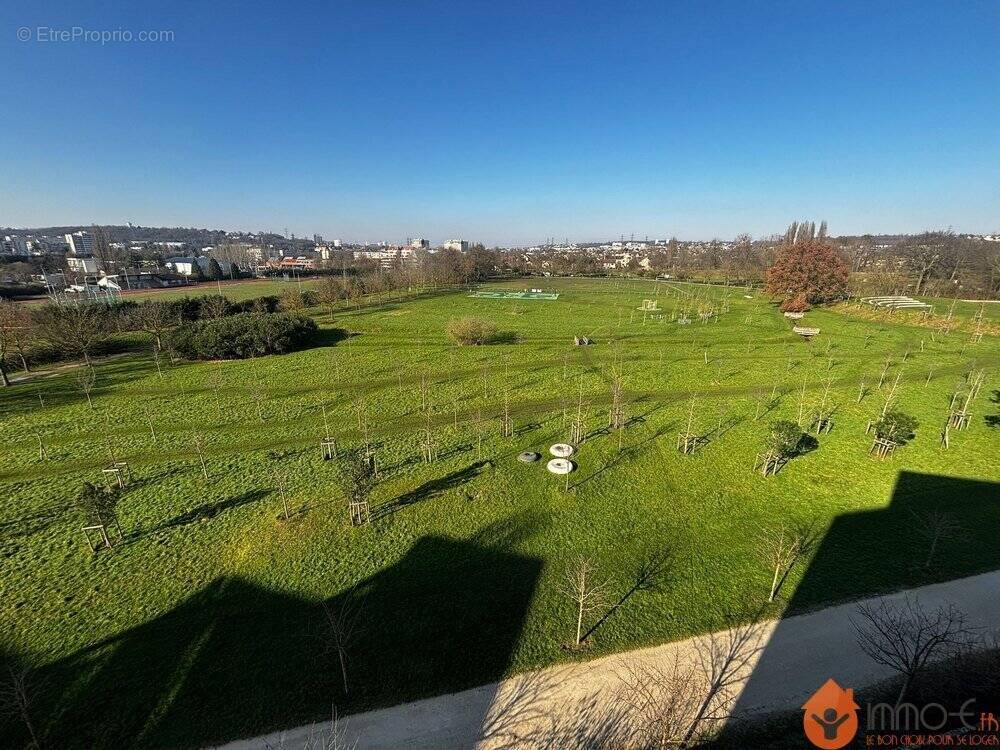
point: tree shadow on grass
(208, 511)
(627, 452)
(431, 488)
(235, 659)
(331, 336)
(993, 420)
(34, 522)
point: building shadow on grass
(864, 554)
(236, 659)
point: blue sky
(505, 122)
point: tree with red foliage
(812, 269)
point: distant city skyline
(506, 124)
(464, 242)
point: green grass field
(206, 624)
(235, 290)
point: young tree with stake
(579, 584)
(783, 548)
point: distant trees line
(938, 263)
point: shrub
(784, 438)
(471, 331)
(243, 335)
(896, 426)
(812, 269)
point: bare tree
(73, 329)
(5, 343)
(782, 548)
(904, 637)
(935, 526)
(16, 332)
(648, 577)
(155, 318)
(198, 443)
(580, 584)
(86, 379)
(281, 481)
(923, 253)
(330, 291)
(343, 616)
(16, 697)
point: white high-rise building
(80, 243)
(460, 245)
(15, 245)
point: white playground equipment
(93, 289)
(897, 303)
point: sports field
(498, 294)
(207, 622)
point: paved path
(794, 657)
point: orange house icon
(830, 718)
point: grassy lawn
(236, 290)
(207, 624)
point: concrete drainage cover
(562, 450)
(528, 457)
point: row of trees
(78, 331)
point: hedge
(243, 335)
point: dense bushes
(243, 335)
(784, 438)
(471, 331)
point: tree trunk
(24, 363)
(934, 541)
(774, 584)
(579, 623)
(343, 668)
(902, 690)
(3, 375)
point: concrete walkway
(788, 661)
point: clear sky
(504, 122)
